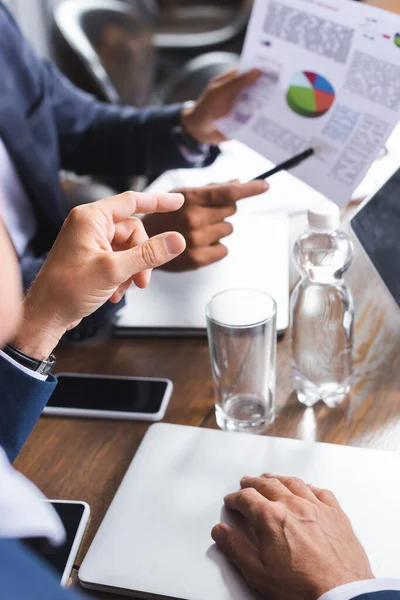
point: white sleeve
(23, 512)
(350, 591)
(22, 368)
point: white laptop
(155, 539)
(176, 302)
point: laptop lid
(155, 539)
(176, 302)
(377, 227)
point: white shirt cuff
(351, 591)
(197, 160)
(22, 368)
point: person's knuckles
(210, 235)
(268, 484)
(262, 486)
(302, 508)
(249, 498)
(293, 483)
(108, 270)
(222, 195)
(197, 258)
(328, 497)
(210, 254)
(78, 214)
(195, 218)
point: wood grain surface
(86, 459)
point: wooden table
(392, 5)
(86, 459)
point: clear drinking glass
(241, 328)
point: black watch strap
(43, 367)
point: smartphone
(110, 397)
(75, 517)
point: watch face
(46, 365)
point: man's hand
(215, 103)
(100, 251)
(201, 221)
(300, 542)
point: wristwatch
(187, 142)
(43, 367)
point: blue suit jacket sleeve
(382, 595)
(24, 576)
(22, 400)
(91, 137)
(102, 139)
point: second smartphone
(110, 397)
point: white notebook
(176, 302)
(155, 539)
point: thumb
(152, 253)
(239, 550)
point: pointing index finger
(127, 204)
(228, 194)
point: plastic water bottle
(322, 311)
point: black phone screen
(57, 556)
(377, 226)
(102, 393)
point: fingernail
(244, 479)
(265, 186)
(173, 244)
(267, 475)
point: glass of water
(241, 328)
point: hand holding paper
(331, 82)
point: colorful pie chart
(310, 95)
(397, 39)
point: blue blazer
(22, 400)
(47, 124)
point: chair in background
(189, 82)
(194, 24)
(105, 48)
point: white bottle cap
(325, 217)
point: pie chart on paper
(397, 39)
(310, 95)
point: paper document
(331, 81)
(237, 161)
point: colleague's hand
(100, 251)
(215, 103)
(201, 221)
(300, 542)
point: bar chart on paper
(310, 95)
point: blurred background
(138, 52)
(35, 16)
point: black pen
(288, 164)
